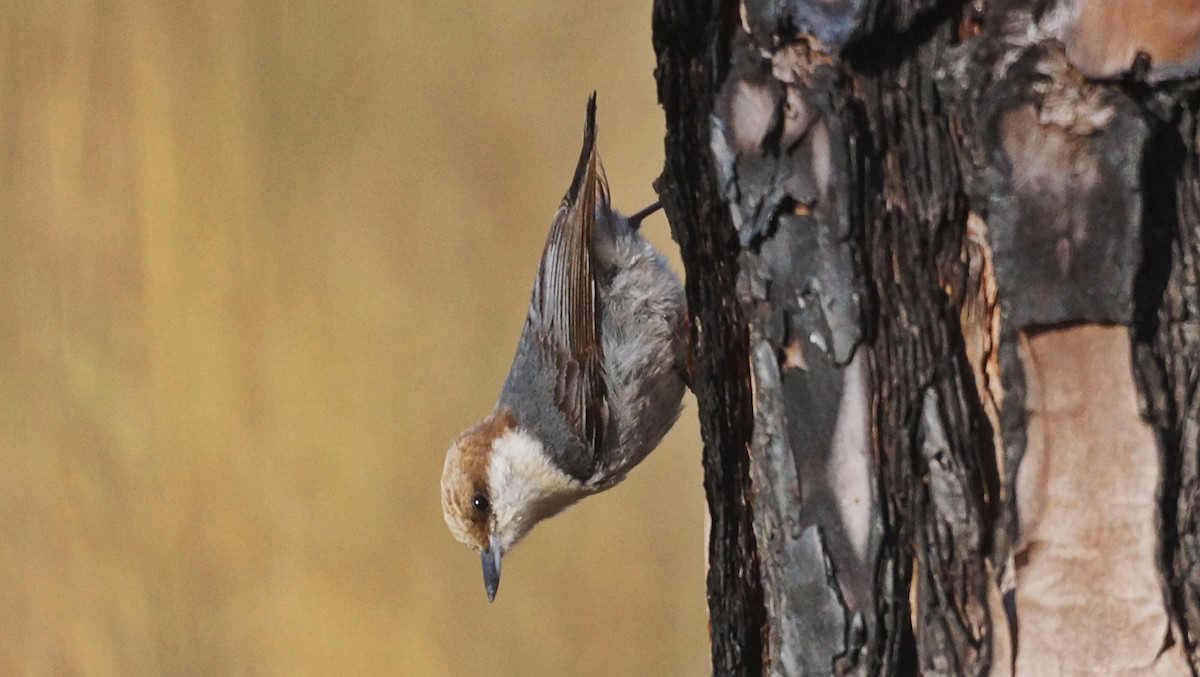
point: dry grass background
(259, 262)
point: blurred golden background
(259, 263)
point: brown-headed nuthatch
(596, 382)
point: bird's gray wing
(563, 312)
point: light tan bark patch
(1088, 595)
(1105, 37)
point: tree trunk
(943, 272)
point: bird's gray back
(529, 392)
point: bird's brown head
(466, 496)
(498, 482)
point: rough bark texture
(689, 40)
(1167, 340)
(956, 246)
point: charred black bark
(1167, 335)
(936, 464)
(690, 40)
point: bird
(597, 380)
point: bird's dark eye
(481, 502)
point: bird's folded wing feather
(563, 309)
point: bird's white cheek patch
(525, 486)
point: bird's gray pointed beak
(491, 567)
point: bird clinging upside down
(596, 382)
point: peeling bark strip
(965, 239)
(691, 63)
(801, 285)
